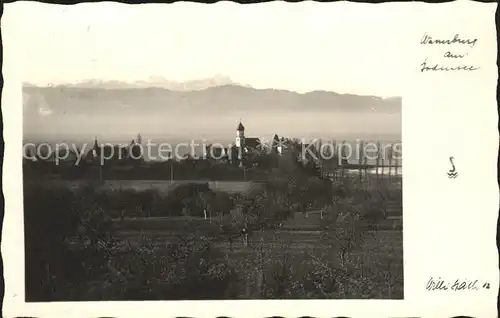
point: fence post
(360, 161)
(398, 165)
(390, 161)
(343, 157)
(378, 158)
(333, 167)
(383, 163)
(365, 165)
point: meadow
(308, 239)
(303, 264)
(278, 263)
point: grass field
(298, 222)
(373, 269)
(302, 257)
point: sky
(300, 47)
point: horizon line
(97, 82)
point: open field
(375, 263)
(298, 222)
(299, 257)
(372, 269)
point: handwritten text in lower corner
(440, 284)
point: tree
(47, 221)
(275, 144)
(341, 225)
(135, 153)
(52, 216)
(191, 197)
(266, 161)
(318, 192)
(279, 281)
(190, 269)
(221, 203)
(265, 208)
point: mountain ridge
(60, 110)
(225, 97)
(181, 86)
(151, 82)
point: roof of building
(216, 152)
(110, 151)
(253, 143)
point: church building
(246, 145)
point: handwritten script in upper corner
(456, 56)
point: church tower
(240, 141)
(96, 150)
(240, 135)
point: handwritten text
(427, 39)
(439, 284)
(453, 56)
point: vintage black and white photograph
(210, 153)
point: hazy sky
(301, 47)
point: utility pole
(100, 173)
(390, 162)
(171, 172)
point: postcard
(236, 160)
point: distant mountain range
(154, 82)
(201, 108)
(218, 94)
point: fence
(383, 167)
(381, 175)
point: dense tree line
(69, 243)
(257, 168)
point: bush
(191, 198)
(187, 270)
(128, 202)
(59, 270)
(278, 280)
(341, 224)
(221, 203)
(51, 217)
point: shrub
(221, 203)
(51, 217)
(188, 269)
(341, 224)
(279, 279)
(56, 270)
(191, 198)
